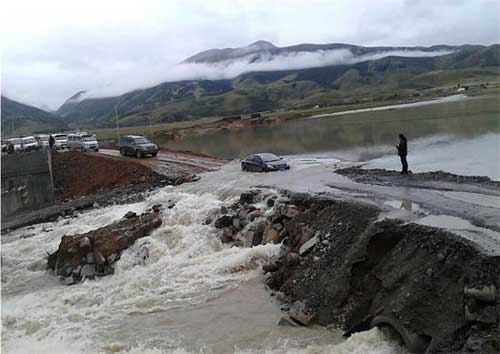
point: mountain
(378, 79)
(265, 51)
(21, 119)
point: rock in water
(299, 312)
(90, 254)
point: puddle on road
(403, 204)
(488, 240)
(475, 198)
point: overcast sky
(52, 49)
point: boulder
(270, 267)
(291, 211)
(228, 232)
(299, 312)
(484, 293)
(308, 246)
(224, 221)
(248, 197)
(93, 253)
(270, 235)
(130, 214)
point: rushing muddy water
(193, 294)
(197, 295)
(358, 136)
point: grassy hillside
(20, 119)
(377, 80)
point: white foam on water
(188, 267)
(188, 264)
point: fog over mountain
(53, 49)
(229, 63)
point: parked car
(30, 144)
(264, 162)
(4, 146)
(137, 146)
(83, 142)
(61, 141)
(43, 141)
(17, 143)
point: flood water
(357, 136)
(197, 295)
(193, 294)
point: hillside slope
(22, 119)
(378, 79)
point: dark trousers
(404, 163)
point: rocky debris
(92, 254)
(341, 265)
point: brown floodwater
(361, 131)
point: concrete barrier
(27, 183)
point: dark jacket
(52, 141)
(402, 148)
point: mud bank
(429, 180)
(83, 181)
(344, 265)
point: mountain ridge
(20, 119)
(285, 89)
(260, 48)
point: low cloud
(232, 68)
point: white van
(83, 142)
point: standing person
(10, 148)
(52, 141)
(402, 152)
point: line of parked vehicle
(134, 145)
(80, 141)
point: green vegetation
(20, 119)
(283, 94)
(390, 79)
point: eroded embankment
(344, 266)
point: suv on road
(137, 146)
(83, 142)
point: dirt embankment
(344, 266)
(77, 174)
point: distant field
(156, 131)
(149, 130)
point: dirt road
(179, 162)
